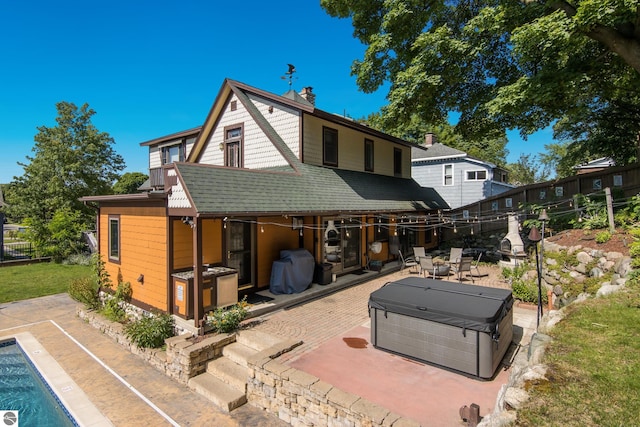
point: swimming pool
(23, 389)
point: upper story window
(447, 178)
(329, 146)
(368, 155)
(114, 238)
(233, 146)
(480, 175)
(397, 162)
(173, 153)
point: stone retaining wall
(301, 399)
(183, 358)
(527, 366)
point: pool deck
(124, 389)
(129, 392)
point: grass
(594, 368)
(35, 280)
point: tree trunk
(626, 47)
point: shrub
(78, 259)
(151, 330)
(114, 306)
(228, 319)
(603, 237)
(85, 290)
(527, 291)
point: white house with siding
(459, 178)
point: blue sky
(149, 69)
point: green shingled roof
(222, 191)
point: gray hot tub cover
(477, 308)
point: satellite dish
(375, 247)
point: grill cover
(293, 273)
(478, 308)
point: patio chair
(454, 255)
(463, 265)
(476, 267)
(407, 262)
(427, 267)
(418, 252)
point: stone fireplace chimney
(430, 139)
(308, 95)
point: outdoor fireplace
(512, 246)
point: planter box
(461, 327)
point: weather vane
(289, 74)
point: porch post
(198, 312)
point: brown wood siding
(143, 249)
(269, 244)
(183, 243)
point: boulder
(613, 255)
(596, 272)
(578, 277)
(584, 257)
(607, 289)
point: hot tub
(461, 327)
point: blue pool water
(23, 389)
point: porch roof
(312, 189)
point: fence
(490, 215)
(17, 251)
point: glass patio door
(351, 255)
(239, 245)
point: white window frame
(444, 175)
(475, 172)
(114, 246)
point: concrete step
(256, 339)
(222, 395)
(239, 353)
(229, 372)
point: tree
(129, 183)
(71, 160)
(557, 158)
(502, 64)
(490, 149)
(527, 170)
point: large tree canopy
(502, 64)
(70, 160)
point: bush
(151, 330)
(78, 259)
(113, 307)
(227, 320)
(85, 290)
(603, 237)
(527, 291)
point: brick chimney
(430, 139)
(308, 95)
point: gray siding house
(459, 178)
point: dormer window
(233, 146)
(173, 153)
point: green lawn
(594, 368)
(36, 280)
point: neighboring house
(595, 165)
(459, 178)
(264, 173)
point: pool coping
(76, 402)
